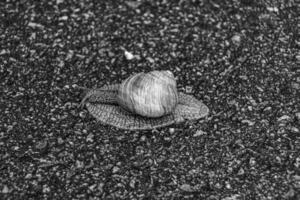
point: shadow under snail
(143, 101)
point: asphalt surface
(241, 58)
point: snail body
(152, 94)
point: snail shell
(152, 94)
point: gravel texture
(242, 58)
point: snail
(143, 101)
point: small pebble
(128, 55)
(46, 189)
(92, 187)
(186, 188)
(35, 25)
(132, 183)
(171, 130)
(63, 18)
(283, 118)
(5, 189)
(90, 137)
(298, 57)
(272, 9)
(218, 186)
(28, 176)
(79, 164)
(236, 39)
(228, 186)
(100, 187)
(133, 4)
(294, 130)
(252, 161)
(250, 123)
(298, 116)
(199, 133)
(233, 197)
(188, 89)
(296, 86)
(241, 171)
(41, 145)
(60, 140)
(297, 178)
(143, 138)
(82, 114)
(151, 60)
(3, 51)
(115, 169)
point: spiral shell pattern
(152, 94)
